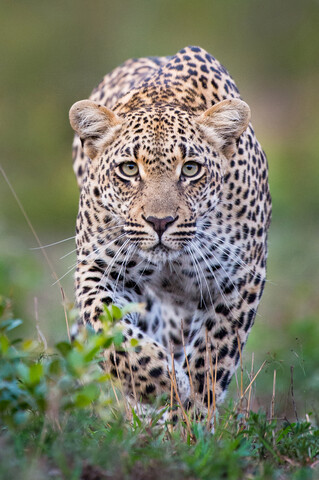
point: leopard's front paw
(183, 385)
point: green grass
(61, 416)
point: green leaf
(96, 341)
(20, 417)
(133, 307)
(108, 342)
(105, 377)
(4, 344)
(35, 373)
(87, 395)
(64, 348)
(13, 323)
(23, 372)
(91, 354)
(136, 419)
(76, 361)
(107, 316)
(159, 415)
(134, 342)
(55, 367)
(116, 312)
(77, 345)
(29, 345)
(118, 338)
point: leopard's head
(158, 168)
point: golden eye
(129, 169)
(190, 169)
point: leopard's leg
(217, 337)
(147, 365)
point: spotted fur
(193, 249)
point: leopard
(174, 213)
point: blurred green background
(54, 52)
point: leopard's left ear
(95, 124)
(224, 123)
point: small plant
(63, 416)
(36, 381)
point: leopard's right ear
(95, 124)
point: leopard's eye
(190, 169)
(129, 169)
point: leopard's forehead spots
(160, 137)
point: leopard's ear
(224, 122)
(95, 124)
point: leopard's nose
(160, 224)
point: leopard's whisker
(67, 254)
(171, 263)
(54, 243)
(226, 273)
(98, 250)
(231, 254)
(205, 279)
(208, 266)
(127, 254)
(63, 276)
(94, 254)
(109, 268)
(197, 273)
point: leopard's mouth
(160, 253)
(160, 247)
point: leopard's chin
(160, 254)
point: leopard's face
(156, 167)
(158, 178)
